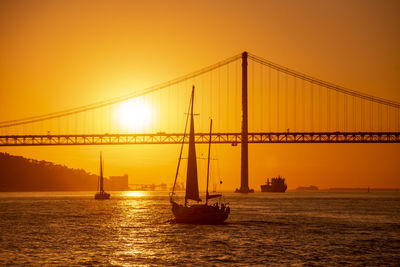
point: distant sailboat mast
(101, 194)
(101, 174)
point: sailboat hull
(199, 214)
(102, 195)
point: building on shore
(118, 183)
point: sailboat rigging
(197, 213)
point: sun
(135, 114)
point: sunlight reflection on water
(135, 193)
(133, 228)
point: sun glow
(135, 114)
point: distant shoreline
(349, 189)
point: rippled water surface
(134, 228)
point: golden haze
(58, 55)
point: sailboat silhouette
(101, 194)
(197, 213)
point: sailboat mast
(101, 174)
(192, 185)
(180, 154)
(208, 163)
(191, 148)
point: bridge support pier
(244, 180)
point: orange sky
(56, 55)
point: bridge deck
(222, 138)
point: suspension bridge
(250, 99)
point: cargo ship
(277, 184)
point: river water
(134, 228)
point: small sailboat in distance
(101, 194)
(196, 213)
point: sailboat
(196, 213)
(101, 194)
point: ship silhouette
(277, 184)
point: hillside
(21, 174)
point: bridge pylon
(244, 179)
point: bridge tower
(244, 180)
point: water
(263, 229)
